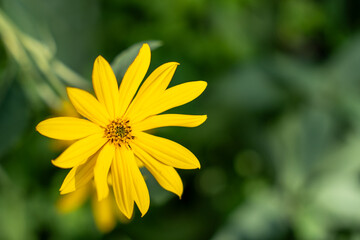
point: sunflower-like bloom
(112, 138)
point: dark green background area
(279, 153)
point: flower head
(112, 138)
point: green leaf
(14, 117)
(13, 216)
(6, 78)
(123, 60)
(262, 215)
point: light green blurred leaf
(13, 217)
(298, 146)
(343, 68)
(261, 216)
(248, 87)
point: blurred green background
(280, 151)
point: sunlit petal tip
(174, 64)
(204, 84)
(203, 119)
(145, 47)
(37, 127)
(144, 52)
(100, 58)
(61, 190)
(54, 162)
(59, 164)
(198, 166)
(143, 214)
(65, 192)
(166, 151)
(128, 215)
(179, 192)
(105, 85)
(133, 77)
(170, 65)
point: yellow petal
(79, 151)
(67, 128)
(105, 85)
(87, 105)
(141, 192)
(139, 163)
(166, 120)
(79, 175)
(101, 170)
(104, 216)
(165, 175)
(122, 184)
(173, 97)
(133, 77)
(152, 88)
(166, 151)
(70, 202)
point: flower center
(119, 132)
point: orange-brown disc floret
(119, 132)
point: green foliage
(279, 152)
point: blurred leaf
(28, 40)
(298, 143)
(6, 78)
(13, 215)
(317, 173)
(297, 19)
(123, 60)
(13, 225)
(337, 188)
(249, 88)
(262, 216)
(14, 118)
(309, 222)
(343, 68)
(21, 13)
(68, 76)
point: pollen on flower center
(119, 132)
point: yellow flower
(113, 138)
